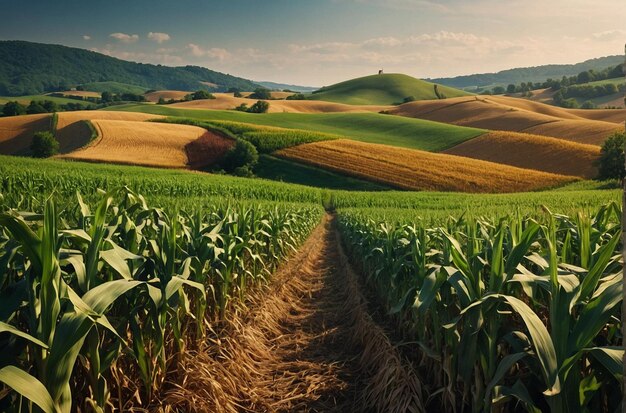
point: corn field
(511, 315)
(94, 298)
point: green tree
(201, 94)
(107, 97)
(511, 88)
(240, 159)
(611, 162)
(587, 104)
(260, 106)
(498, 90)
(261, 93)
(13, 109)
(35, 107)
(44, 145)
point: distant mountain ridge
(529, 74)
(282, 86)
(28, 68)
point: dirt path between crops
(305, 345)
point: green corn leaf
(29, 387)
(4, 327)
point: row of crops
(97, 296)
(515, 314)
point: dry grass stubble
(306, 345)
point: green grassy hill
(385, 89)
(365, 127)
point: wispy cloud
(125, 38)
(86, 37)
(158, 37)
(213, 52)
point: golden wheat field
(528, 151)
(419, 170)
(165, 94)
(16, 132)
(150, 144)
(226, 101)
(515, 115)
(81, 93)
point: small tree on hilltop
(611, 161)
(44, 145)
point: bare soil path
(305, 345)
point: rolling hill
(419, 170)
(366, 127)
(528, 151)
(384, 89)
(31, 68)
(529, 74)
(516, 115)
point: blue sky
(318, 42)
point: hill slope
(366, 127)
(31, 68)
(418, 170)
(385, 89)
(532, 74)
(516, 115)
(536, 152)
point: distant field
(514, 114)
(226, 101)
(366, 127)
(149, 144)
(419, 170)
(532, 152)
(25, 100)
(166, 95)
(386, 89)
(277, 169)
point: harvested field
(81, 93)
(16, 132)
(306, 344)
(532, 152)
(605, 115)
(225, 101)
(419, 170)
(274, 95)
(581, 131)
(73, 133)
(513, 114)
(166, 94)
(152, 144)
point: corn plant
(505, 315)
(84, 292)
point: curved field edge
(418, 170)
(277, 169)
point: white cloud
(214, 52)
(610, 35)
(125, 38)
(158, 37)
(85, 37)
